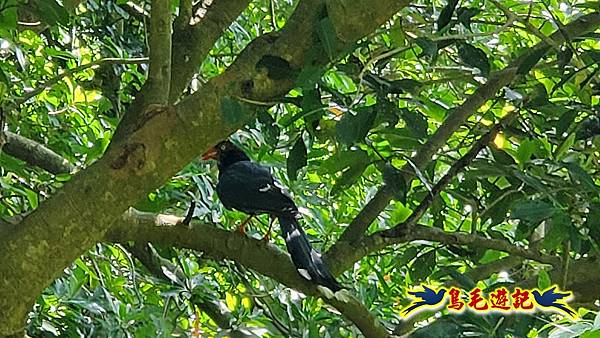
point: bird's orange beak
(210, 154)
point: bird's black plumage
(249, 187)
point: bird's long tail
(307, 260)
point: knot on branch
(132, 154)
(276, 68)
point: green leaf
(525, 150)
(354, 128)
(328, 37)
(559, 230)
(50, 11)
(422, 267)
(531, 60)
(297, 158)
(231, 301)
(591, 334)
(429, 47)
(474, 57)
(446, 14)
(544, 280)
(8, 16)
(415, 123)
(465, 15)
(532, 211)
(562, 150)
(32, 198)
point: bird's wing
(249, 187)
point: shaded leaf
(415, 122)
(446, 14)
(532, 211)
(531, 60)
(558, 231)
(580, 176)
(404, 86)
(349, 176)
(396, 182)
(328, 37)
(429, 47)
(353, 128)
(50, 11)
(270, 129)
(563, 58)
(297, 158)
(565, 121)
(465, 15)
(474, 57)
(422, 267)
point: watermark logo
(499, 300)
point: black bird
(249, 187)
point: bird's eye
(223, 147)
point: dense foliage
(346, 132)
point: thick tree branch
(191, 43)
(457, 117)
(221, 244)
(159, 72)
(35, 154)
(185, 15)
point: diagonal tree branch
(35, 154)
(221, 244)
(404, 230)
(456, 168)
(457, 117)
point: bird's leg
(242, 227)
(267, 236)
